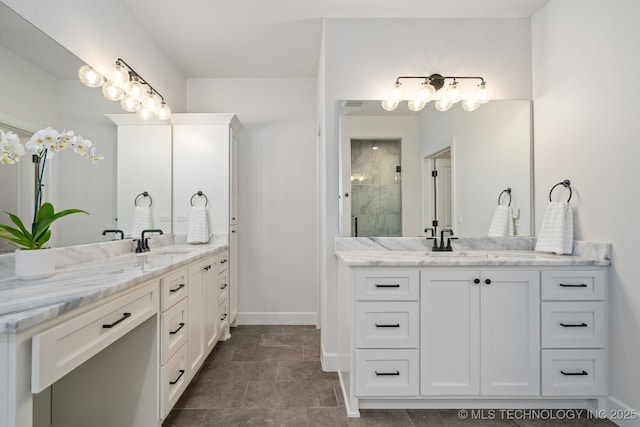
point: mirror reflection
(403, 170)
(40, 87)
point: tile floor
(271, 376)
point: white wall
(361, 59)
(278, 192)
(585, 69)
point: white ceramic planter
(35, 264)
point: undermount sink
(457, 254)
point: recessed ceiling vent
(353, 103)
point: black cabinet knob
(487, 281)
(476, 281)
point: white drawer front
(573, 285)
(573, 325)
(173, 288)
(173, 381)
(223, 285)
(223, 311)
(387, 285)
(387, 372)
(573, 373)
(59, 350)
(387, 325)
(173, 327)
(223, 261)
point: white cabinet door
(195, 341)
(210, 304)
(480, 333)
(510, 333)
(234, 291)
(233, 178)
(450, 333)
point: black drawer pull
(224, 286)
(177, 379)
(224, 316)
(573, 325)
(177, 330)
(123, 318)
(394, 325)
(574, 373)
(387, 286)
(223, 261)
(396, 373)
(180, 286)
(576, 285)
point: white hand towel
(556, 232)
(502, 222)
(198, 225)
(141, 220)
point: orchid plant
(42, 145)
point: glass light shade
(163, 112)
(134, 88)
(443, 104)
(416, 104)
(145, 113)
(427, 91)
(151, 101)
(112, 92)
(90, 77)
(119, 75)
(389, 104)
(470, 104)
(483, 95)
(130, 103)
(453, 93)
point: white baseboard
(278, 318)
(622, 414)
(329, 360)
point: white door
(443, 192)
(510, 334)
(450, 333)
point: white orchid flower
(10, 148)
(43, 139)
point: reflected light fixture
(433, 88)
(124, 84)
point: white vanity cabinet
(203, 312)
(480, 332)
(470, 336)
(573, 327)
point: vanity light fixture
(433, 88)
(124, 84)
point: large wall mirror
(40, 87)
(401, 170)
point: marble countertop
(509, 251)
(26, 303)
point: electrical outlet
(181, 218)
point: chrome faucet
(120, 232)
(143, 243)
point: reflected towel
(556, 232)
(502, 222)
(141, 220)
(198, 225)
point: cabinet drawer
(223, 285)
(386, 372)
(387, 285)
(387, 325)
(223, 261)
(573, 285)
(61, 349)
(573, 324)
(173, 288)
(223, 312)
(173, 330)
(573, 373)
(173, 381)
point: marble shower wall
(376, 197)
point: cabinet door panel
(510, 334)
(450, 333)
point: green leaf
(44, 222)
(17, 221)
